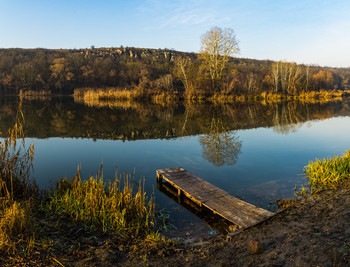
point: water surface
(255, 151)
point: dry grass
(93, 94)
(28, 235)
(108, 103)
(104, 206)
(14, 222)
(16, 160)
(115, 97)
(15, 168)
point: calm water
(254, 151)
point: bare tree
(180, 66)
(250, 82)
(275, 75)
(286, 76)
(217, 45)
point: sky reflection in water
(267, 162)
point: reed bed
(104, 206)
(329, 173)
(30, 95)
(108, 103)
(15, 224)
(116, 97)
(118, 209)
(15, 168)
(89, 94)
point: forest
(140, 73)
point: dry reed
(105, 206)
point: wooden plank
(215, 199)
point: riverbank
(313, 232)
(107, 96)
(80, 223)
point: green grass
(329, 173)
(109, 207)
(16, 161)
(33, 226)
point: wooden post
(179, 195)
(159, 180)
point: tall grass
(119, 207)
(105, 206)
(14, 222)
(116, 97)
(16, 162)
(329, 173)
(89, 94)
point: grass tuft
(104, 206)
(329, 173)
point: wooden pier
(213, 198)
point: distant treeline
(157, 71)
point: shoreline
(107, 96)
(63, 227)
(314, 231)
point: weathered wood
(215, 199)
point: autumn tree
(322, 80)
(286, 76)
(217, 46)
(61, 72)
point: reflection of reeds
(30, 95)
(322, 96)
(306, 97)
(116, 98)
(108, 103)
(164, 99)
(94, 94)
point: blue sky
(308, 31)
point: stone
(254, 247)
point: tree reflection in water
(286, 118)
(220, 146)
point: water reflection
(220, 146)
(211, 135)
(62, 117)
(286, 119)
(212, 220)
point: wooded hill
(154, 71)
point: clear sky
(304, 31)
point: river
(255, 151)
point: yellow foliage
(13, 222)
